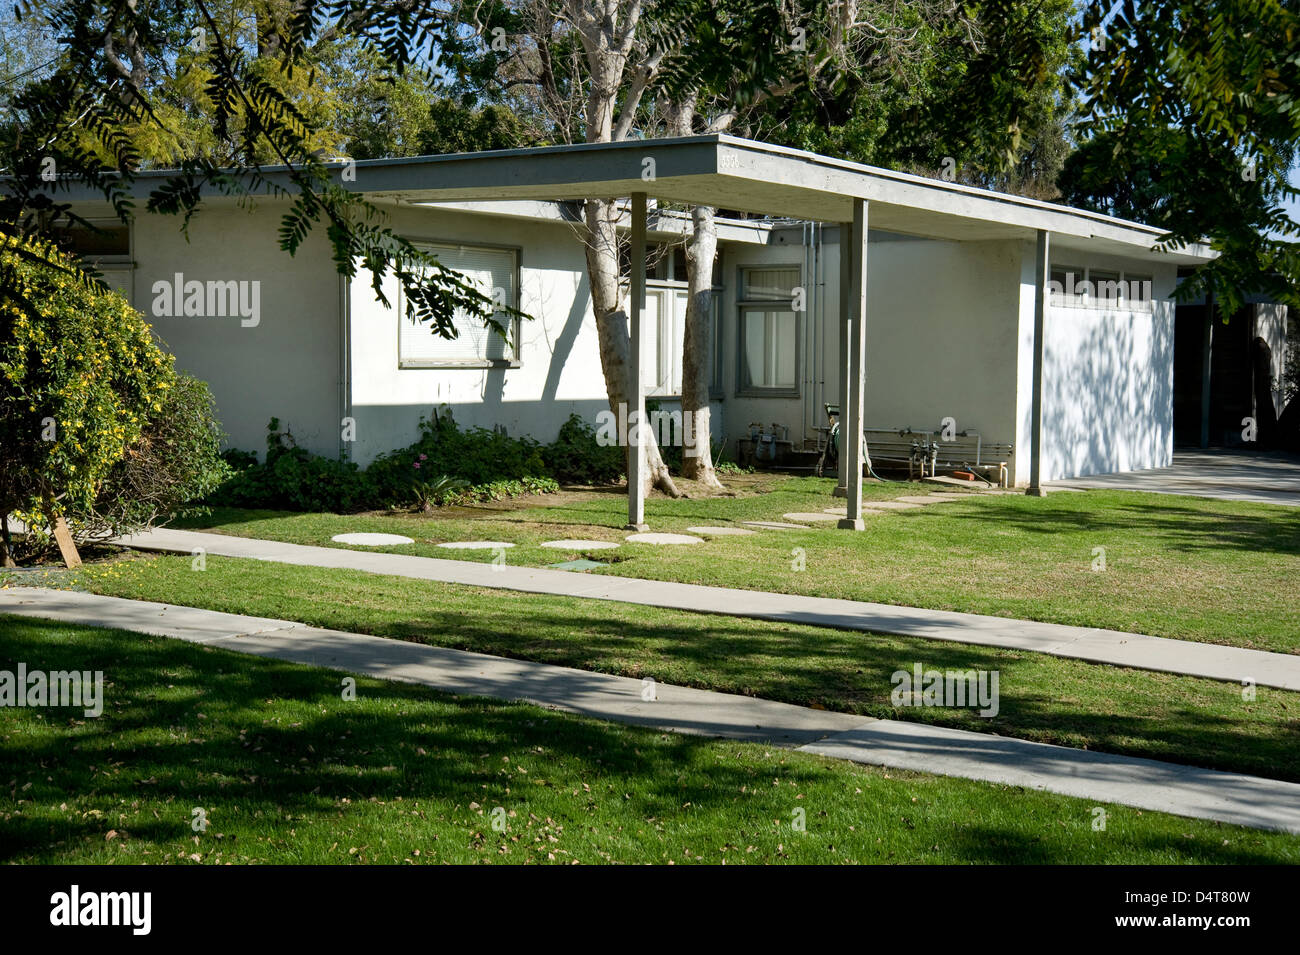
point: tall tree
(580, 70)
(1194, 123)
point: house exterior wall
(949, 334)
(941, 336)
(287, 364)
(1107, 377)
(558, 372)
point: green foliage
(476, 455)
(376, 111)
(983, 90)
(92, 413)
(576, 457)
(432, 491)
(724, 465)
(452, 128)
(80, 377)
(444, 465)
(293, 479)
(1193, 114)
(134, 86)
(501, 490)
(175, 461)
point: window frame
(744, 388)
(432, 244)
(1091, 301)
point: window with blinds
(769, 331)
(769, 284)
(494, 272)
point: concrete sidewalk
(1232, 664)
(1142, 783)
(1270, 477)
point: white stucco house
(952, 279)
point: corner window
(1073, 286)
(1104, 288)
(494, 272)
(769, 332)
(1138, 294)
(1065, 282)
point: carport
(736, 174)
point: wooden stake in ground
(63, 536)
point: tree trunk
(6, 545)
(612, 332)
(697, 460)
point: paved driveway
(1271, 478)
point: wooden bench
(924, 452)
(897, 447)
(966, 451)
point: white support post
(846, 278)
(1042, 252)
(636, 471)
(853, 406)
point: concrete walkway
(1279, 670)
(1142, 783)
(1266, 478)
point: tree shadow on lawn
(1205, 527)
(152, 746)
(330, 752)
(851, 672)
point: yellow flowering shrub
(81, 374)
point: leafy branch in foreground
(77, 129)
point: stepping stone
(580, 564)
(844, 511)
(372, 540)
(657, 538)
(720, 531)
(580, 545)
(776, 525)
(809, 516)
(894, 505)
(475, 545)
(924, 499)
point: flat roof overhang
(739, 174)
(731, 173)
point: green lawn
(1182, 567)
(287, 772)
(1070, 702)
